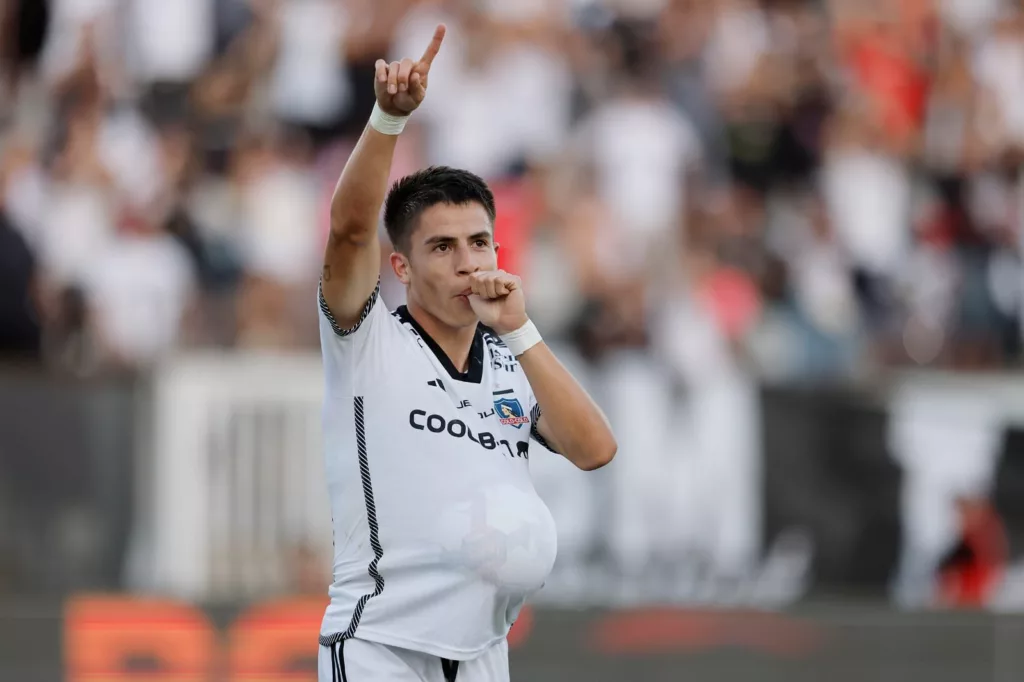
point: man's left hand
(498, 300)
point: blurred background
(779, 240)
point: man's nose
(466, 263)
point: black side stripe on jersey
(371, 521)
(534, 418)
(362, 316)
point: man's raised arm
(352, 257)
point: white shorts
(356, 660)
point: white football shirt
(439, 535)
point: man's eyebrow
(439, 239)
(446, 239)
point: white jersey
(439, 535)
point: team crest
(510, 412)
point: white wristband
(522, 339)
(385, 123)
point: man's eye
(481, 243)
(441, 247)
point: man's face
(450, 243)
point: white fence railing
(235, 488)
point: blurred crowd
(788, 188)
(700, 195)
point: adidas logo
(437, 383)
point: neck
(454, 341)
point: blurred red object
(970, 573)
(105, 634)
(896, 85)
(521, 629)
(732, 298)
(516, 208)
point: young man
(439, 535)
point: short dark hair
(415, 193)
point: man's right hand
(401, 86)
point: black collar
(475, 372)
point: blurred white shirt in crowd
(819, 269)
(279, 237)
(714, 501)
(551, 283)
(537, 100)
(823, 289)
(75, 229)
(170, 40)
(68, 22)
(25, 198)
(642, 151)
(516, 104)
(525, 10)
(139, 289)
(632, 9)
(739, 37)
(969, 17)
(999, 67)
(470, 130)
(309, 82)
(868, 199)
(929, 281)
(130, 151)
(410, 38)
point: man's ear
(496, 247)
(400, 266)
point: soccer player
(439, 534)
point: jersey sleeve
(325, 311)
(535, 413)
(352, 355)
